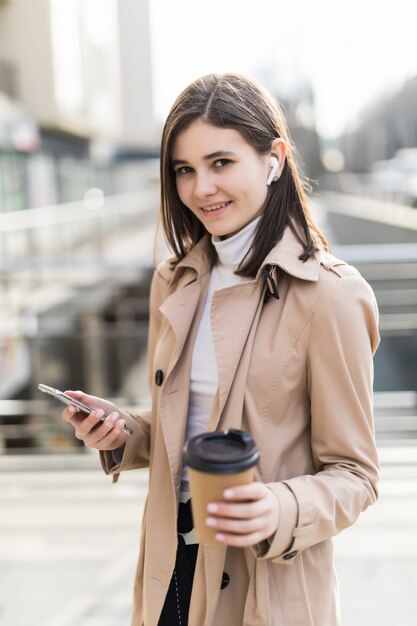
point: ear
(279, 150)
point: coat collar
(198, 259)
(285, 255)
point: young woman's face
(220, 177)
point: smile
(215, 207)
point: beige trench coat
(296, 373)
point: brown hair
(237, 102)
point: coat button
(225, 580)
(159, 377)
(290, 555)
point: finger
(87, 423)
(237, 526)
(241, 541)
(68, 413)
(239, 510)
(92, 401)
(253, 491)
(72, 415)
(74, 394)
(102, 428)
(80, 395)
(103, 439)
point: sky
(350, 52)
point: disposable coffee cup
(217, 461)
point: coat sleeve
(135, 453)
(343, 338)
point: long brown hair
(237, 102)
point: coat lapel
(180, 309)
(183, 311)
(189, 284)
(234, 315)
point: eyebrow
(212, 155)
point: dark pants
(177, 601)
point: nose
(204, 185)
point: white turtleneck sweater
(204, 378)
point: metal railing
(396, 417)
(59, 234)
(38, 423)
(61, 267)
(36, 427)
(391, 269)
(74, 240)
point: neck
(233, 248)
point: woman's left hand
(249, 515)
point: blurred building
(300, 115)
(378, 153)
(81, 67)
(81, 72)
(76, 114)
(385, 127)
(293, 91)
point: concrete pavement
(69, 542)
(376, 559)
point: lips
(215, 207)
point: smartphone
(63, 397)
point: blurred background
(85, 86)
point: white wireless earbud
(273, 176)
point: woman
(253, 325)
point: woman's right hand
(95, 433)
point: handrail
(377, 252)
(55, 232)
(366, 208)
(57, 215)
(40, 423)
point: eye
(218, 163)
(185, 169)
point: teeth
(218, 206)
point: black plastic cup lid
(226, 452)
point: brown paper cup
(206, 488)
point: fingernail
(120, 424)
(219, 537)
(71, 409)
(114, 417)
(210, 521)
(229, 493)
(100, 413)
(212, 508)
